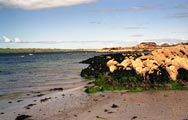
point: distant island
(144, 46)
(40, 50)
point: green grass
(171, 86)
(95, 89)
(137, 89)
(89, 77)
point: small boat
(22, 56)
(30, 54)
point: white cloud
(134, 27)
(6, 39)
(143, 8)
(182, 6)
(179, 15)
(130, 9)
(14, 40)
(17, 40)
(41, 4)
(169, 40)
(137, 35)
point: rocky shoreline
(157, 68)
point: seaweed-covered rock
(22, 117)
(100, 64)
(182, 75)
(138, 69)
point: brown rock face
(170, 58)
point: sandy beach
(161, 105)
(121, 105)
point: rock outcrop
(106, 63)
(159, 66)
(171, 58)
(144, 46)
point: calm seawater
(40, 71)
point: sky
(89, 24)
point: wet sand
(161, 105)
(77, 105)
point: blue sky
(91, 23)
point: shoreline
(40, 50)
(13, 106)
(75, 104)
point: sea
(24, 73)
